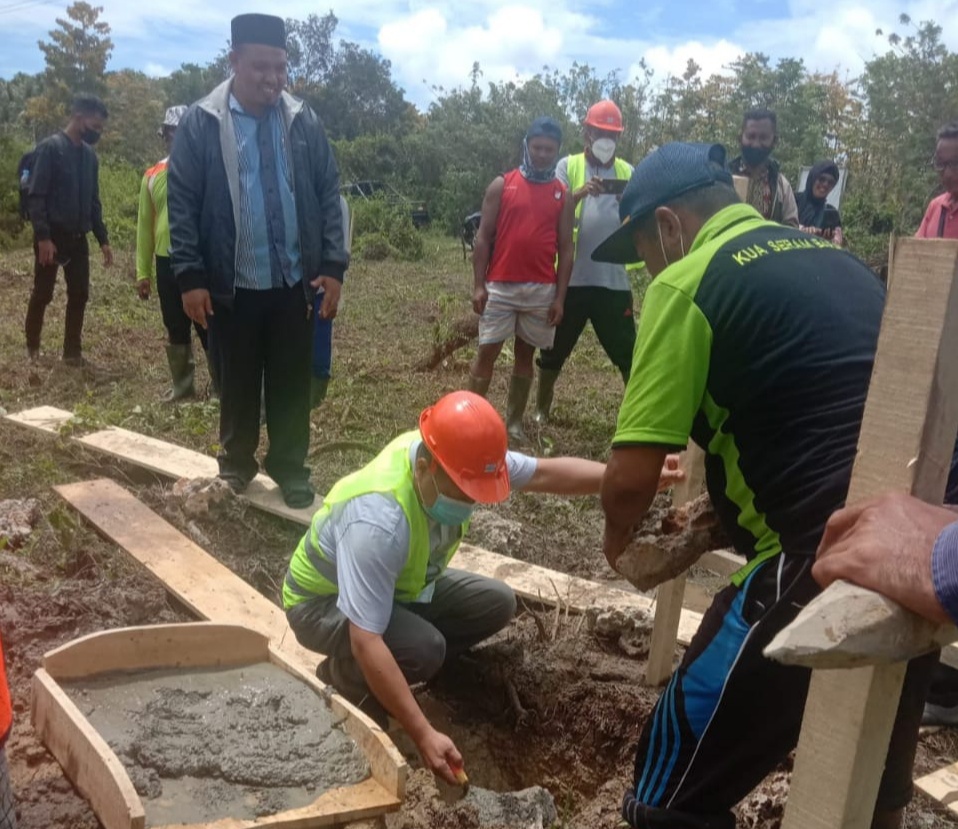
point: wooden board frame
(529, 581)
(669, 595)
(906, 442)
(102, 779)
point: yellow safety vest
(575, 172)
(311, 573)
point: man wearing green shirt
(757, 342)
(153, 258)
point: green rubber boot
(544, 393)
(183, 370)
(519, 388)
(479, 385)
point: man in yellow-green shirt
(153, 259)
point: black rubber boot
(183, 371)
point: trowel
(450, 794)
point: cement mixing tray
(165, 662)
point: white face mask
(603, 149)
(665, 256)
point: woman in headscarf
(815, 215)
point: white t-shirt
(367, 540)
(598, 219)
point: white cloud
(673, 60)
(434, 45)
(156, 70)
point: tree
(358, 96)
(191, 82)
(78, 51)
(76, 57)
(309, 51)
(136, 111)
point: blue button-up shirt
(267, 239)
(944, 569)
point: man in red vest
(8, 816)
(520, 284)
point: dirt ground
(548, 702)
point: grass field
(584, 695)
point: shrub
(382, 229)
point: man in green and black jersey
(757, 342)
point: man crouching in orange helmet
(369, 586)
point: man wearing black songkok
(256, 238)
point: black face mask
(754, 156)
(90, 136)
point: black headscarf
(811, 211)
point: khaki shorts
(518, 309)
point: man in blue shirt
(256, 238)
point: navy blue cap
(545, 126)
(663, 175)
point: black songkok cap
(264, 29)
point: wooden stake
(669, 595)
(908, 432)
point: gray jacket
(203, 196)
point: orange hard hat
(604, 115)
(467, 437)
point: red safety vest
(6, 706)
(527, 231)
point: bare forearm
(387, 682)
(564, 271)
(480, 262)
(626, 496)
(567, 476)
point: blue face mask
(446, 510)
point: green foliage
(13, 230)
(881, 125)
(383, 230)
(76, 57)
(136, 110)
(119, 189)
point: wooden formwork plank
(46, 419)
(906, 442)
(85, 756)
(210, 589)
(529, 581)
(723, 562)
(178, 462)
(166, 646)
(670, 594)
(942, 785)
(213, 592)
(160, 457)
(105, 782)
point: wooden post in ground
(906, 442)
(669, 595)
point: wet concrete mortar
(202, 745)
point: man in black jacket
(64, 206)
(256, 236)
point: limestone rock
(18, 517)
(674, 543)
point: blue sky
(436, 41)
